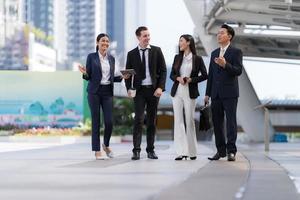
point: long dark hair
(192, 46)
(101, 35)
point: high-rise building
(122, 19)
(115, 26)
(60, 33)
(26, 35)
(86, 19)
(10, 19)
(69, 26)
(40, 15)
(12, 36)
(135, 16)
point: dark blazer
(94, 72)
(224, 82)
(157, 68)
(197, 66)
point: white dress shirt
(186, 66)
(147, 80)
(185, 71)
(105, 67)
(223, 50)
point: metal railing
(267, 124)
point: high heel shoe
(108, 151)
(100, 155)
(181, 158)
(193, 158)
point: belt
(147, 86)
(104, 86)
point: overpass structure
(264, 28)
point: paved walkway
(54, 170)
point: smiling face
(144, 38)
(223, 36)
(183, 44)
(103, 44)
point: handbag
(205, 122)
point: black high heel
(181, 158)
(193, 158)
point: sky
(168, 19)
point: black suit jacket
(224, 82)
(197, 66)
(157, 68)
(94, 72)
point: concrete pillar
(252, 121)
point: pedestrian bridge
(264, 28)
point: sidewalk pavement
(69, 171)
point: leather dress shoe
(135, 156)
(231, 157)
(217, 156)
(152, 155)
(193, 157)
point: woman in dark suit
(188, 70)
(99, 72)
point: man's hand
(206, 100)
(126, 76)
(220, 61)
(129, 93)
(158, 92)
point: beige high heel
(100, 156)
(108, 151)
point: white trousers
(185, 140)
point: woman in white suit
(188, 70)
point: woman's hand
(188, 80)
(81, 68)
(180, 80)
(206, 100)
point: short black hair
(140, 29)
(229, 29)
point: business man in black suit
(223, 89)
(149, 82)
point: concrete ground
(66, 169)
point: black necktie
(143, 74)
